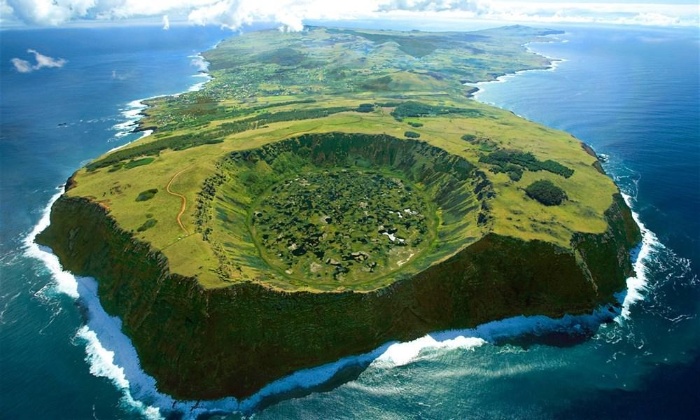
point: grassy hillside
(270, 87)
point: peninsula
(329, 191)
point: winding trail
(183, 206)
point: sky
(292, 14)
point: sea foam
(637, 285)
(132, 113)
(64, 282)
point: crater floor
(346, 225)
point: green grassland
(270, 87)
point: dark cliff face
(206, 344)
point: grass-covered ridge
(270, 87)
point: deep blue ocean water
(631, 93)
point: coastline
(110, 353)
(553, 63)
(126, 374)
(636, 285)
(135, 111)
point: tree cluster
(513, 163)
(546, 193)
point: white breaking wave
(100, 359)
(65, 282)
(637, 285)
(144, 134)
(132, 113)
(110, 353)
(399, 354)
(199, 86)
(554, 64)
(101, 362)
(199, 62)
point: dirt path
(183, 206)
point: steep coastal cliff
(210, 343)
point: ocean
(631, 93)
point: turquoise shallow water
(630, 93)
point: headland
(329, 191)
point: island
(332, 190)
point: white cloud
(46, 61)
(291, 14)
(22, 66)
(633, 13)
(474, 6)
(42, 61)
(50, 12)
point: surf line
(183, 199)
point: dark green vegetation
(351, 62)
(198, 109)
(147, 195)
(513, 163)
(418, 109)
(487, 145)
(138, 162)
(416, 46)
(149, 223)
(181, 142)
(411, 134)
(546, 193)
(365, 108)
(303, 224)
(269, 118)
(130, 164)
